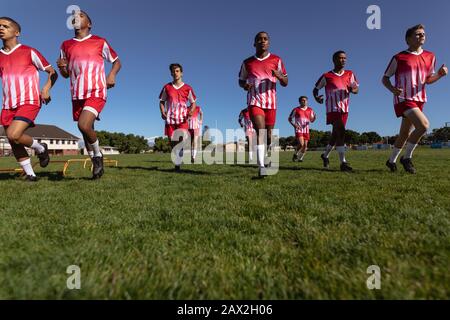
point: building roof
(46, 131)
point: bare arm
(162, 109)
(443, 71)
(281, 77)
(201, 115)
(192, 109)
(45, 92)
(319, 99)
(387, 83)
(111, 78)
(62, 66)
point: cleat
(98, 170)
(30, 178)
(44, 157)
(408, 165)
(345, 167)
(326, 161)
(391, 166)
(192, 160)
(177, 168)
(294, 158)
(300, 160)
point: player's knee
(13, 136)
(84, 127)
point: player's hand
(319, 99)
(397, 91)
(247, 86)
(443, 71)
(45, 96)
(61, 63)
(278, 74)
(110, 81)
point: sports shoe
(177, 168)
(391, 166)
(408, 165)
(326, 161)
(192, 160)
(30, 178)
(345, 167)
(294, 158)
(98, 170)
(44, 157)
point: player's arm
(319, 99)
(387, 83)
(283, 78)
(443, 71)
(313, 116)
(111, 78)
(162, 108)
(244, 85)
(62, 66)
(45, 92)
(192, 108)
(291, 119)
(200, 112)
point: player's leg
(297, 148)
(14, 134)
(405, 130)
(193, 144)
(86, 126)
(259, 123)
(304, 146)
(326, 154)
(339, 127)
(421, 125)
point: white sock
(260, 150)
(39, 148)
(394, 155)
(194, 153)
(301, 155)
(250, 155)
(341, 151)
(26, 165)
(328, 150)
(96, 148)
(410, 147)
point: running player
(195, 127)
(22, 100)
(173, 104)
(338, 84)
(413, 68)
(246, 123)
(82, 59)
(258, 76)
(300, 118)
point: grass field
(213, 232)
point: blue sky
(210, 38)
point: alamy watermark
(374, 281)
(74, 280)
(374, 20)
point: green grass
(213, 232)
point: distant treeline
(125, 143)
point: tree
(162, 145)
(441, 134)
(351, 137)
(372, 137)
(124, 143)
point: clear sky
(210, 38)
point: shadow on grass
(171, 170)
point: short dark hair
(411, 30)
(14, 23)
(301, 97)
(173, 66)
(256, 36)
(337, 53)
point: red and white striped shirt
(337, 89)
(86, 66)
(411, 71)
(194, 121)
(19, 70)
(245, 120)
(302, 117)
(176, 100)
(258, 73)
